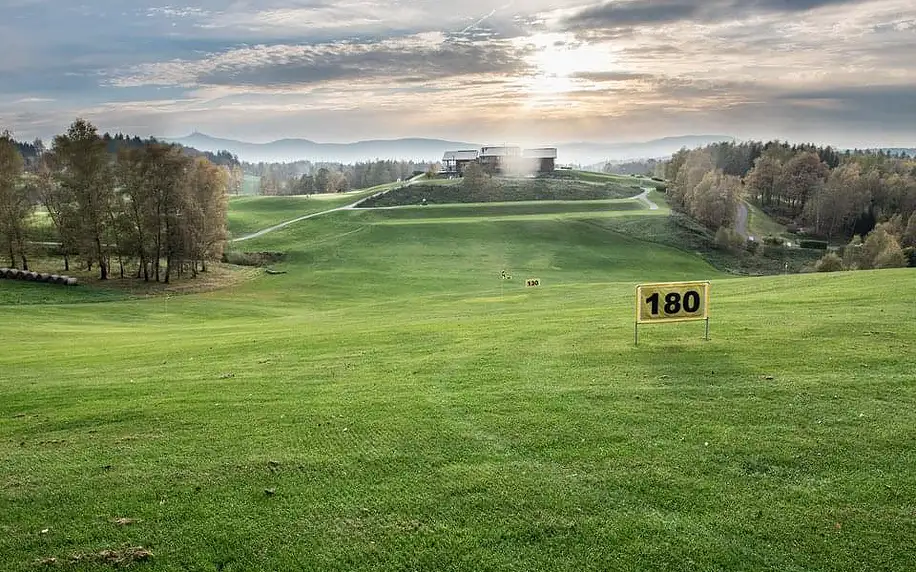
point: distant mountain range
(418, 149)
(289, 150)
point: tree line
(150, 207)
(645, 167)
(816, 191)
(32, 151)
(307, 177)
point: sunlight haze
(833, 71)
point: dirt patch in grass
(116, 558)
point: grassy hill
(391, 404)
(500, 189)
(250, 214)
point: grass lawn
(250, 214)
(391, 404)
(500, 189)
(432, 213)
(595, 177)
(15, 292)
(760, 225)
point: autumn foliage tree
(151, 204)
(819, 189)
(175, 209)
(714, 200)
(704, 192)
(83, 173)
(15, 207)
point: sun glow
(557, 62)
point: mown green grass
(16, 292)
(760, 225)
(410, 410)
(441, 182)
(596, 177)
(660, 199)
(432, 213)
(251, 214)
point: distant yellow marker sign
(672, 302)
(533, 282)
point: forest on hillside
(306, 177)
(155, 209)
(864, 199)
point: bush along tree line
(152, 208)
(306, 177)
(856, 198)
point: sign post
(502, 277)
(668, 302)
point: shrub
(728, 239)
(881, 249)
(830, 263)
(910, 254)
(752, 246)
(813, 244)
(773, 241)
(891, 257)
(909, 234)
(252, 258)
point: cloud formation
(418, 58)
(620, 13)
(544, 70)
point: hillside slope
(393, 403)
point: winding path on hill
(287, 223)
(741, 221)
(350, 206)
(644, 199)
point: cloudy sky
(528, 71)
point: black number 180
(673, 302)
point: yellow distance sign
(533, 282)
(672, 302)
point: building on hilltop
(502, 160)
(541, 160)
(497, 159)
(454, 162)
